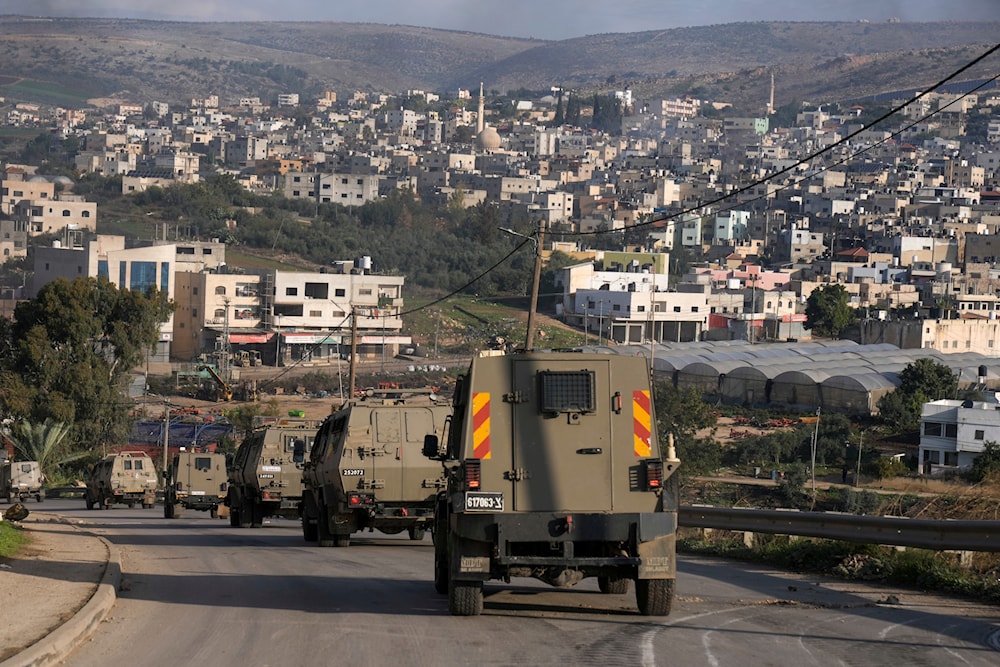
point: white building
(953, 433)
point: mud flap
(658, 558)
(470, 560)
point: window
(339, 292)
(951, 430)
(138, 465)
(315, 313)
(365, 291)
(932, 428)
(202, 463)
(980, 434)
(291, 291)
(317, 290)
(220, 313)
(143, 276)
(566, 391)
(220, 290)
(951, 459)
(127, 465)
(677, 309)
(66, 213)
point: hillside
(70, 61)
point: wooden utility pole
(539, 239)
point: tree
(987, 464)
(682, 413)
(827, 312)
(69, 353)
(921, 381)
(44, 443)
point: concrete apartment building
(953, 433)
(18, 185)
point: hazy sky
(544, 19)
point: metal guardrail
(897, 531)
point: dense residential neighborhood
(735, 221)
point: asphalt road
(198, 592)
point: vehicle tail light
(267, 496)
(473, 474)
(359, 499)
(654, 475)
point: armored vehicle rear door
(561, 434)
(202, 472)
(385, 456)
(417, 473)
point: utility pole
(166, 436)
(352, 374)
(539, 239)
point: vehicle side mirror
(432, 449)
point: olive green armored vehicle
(366, 469)
(20, 480)
(125, 478)
(265, 478)
(554, 472)
(195, 481)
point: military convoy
(366, 469)
(195, 481)
(554, 472)
(265, 478)
(124, 478)
(20, 480)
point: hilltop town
(675, 220)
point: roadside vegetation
(11, 539)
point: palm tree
(41, 442)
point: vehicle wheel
(613, 585)
(341, 540)
(90, 503)
(39, 497)
(214, 512)
(310, 532)
(441, 572)
(417, 533)
(323, 535)
(256, 514)
(245, 514)
(654, 596)
(168, 510)
(465, 598)
(234, 516)
(131, 505)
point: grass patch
(47, 93)
(935, 571)
(11, 540)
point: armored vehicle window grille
(202, 463)
(138, 465)
(567, 391)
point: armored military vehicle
(554, 472)
(124, 478)
(26, 481)
(196, 481)
(366, 469)
(265, 478)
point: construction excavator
(225, 390)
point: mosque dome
(488, 139)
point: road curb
(59, 643)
